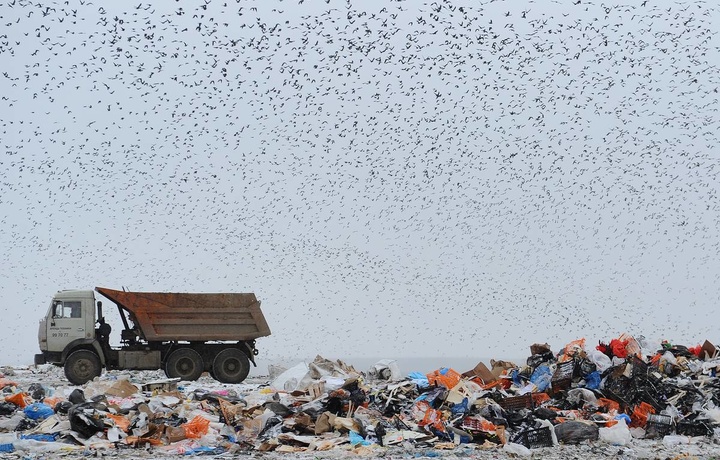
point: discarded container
(694, 428)
(445, 377)
(658, 426)
(534, 438)
(512, 403)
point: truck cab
(68, 326)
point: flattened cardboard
(481, 371)
(707, 351)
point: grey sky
(390, 179)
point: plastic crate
(564, 370)
(658, 426)
(639, 367)
(534, 438)
(620, 389)
(561, 385)
(694, 428)
(517, 402)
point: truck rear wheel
(82, 366)
(231, 365)
(185, 363)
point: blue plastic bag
(38, 411)
(460, 408)
(356, 439)
(515, 376)
(419, 379)
(542, 377)
(40, 437)
(592, 380)
(625, 417)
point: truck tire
(231, 365)
(82, 366)
(185, 363)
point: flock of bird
(405, 178)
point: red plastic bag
(197, 427)
(640, 413)
(696, 350)
(618, 348)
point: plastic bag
(85, 421)
(617, 347)
(617, 435)
(37, 391)
(122, 422)
(673, 440)
(77, 396)
(7, 408)
(517, 449)
(576, 395)
(601, 360)
(356, 439)
(38, 411)
(419, 379)
(592, 380)
(542, 377)
(571, 349)
(197, 427)
(445, 377)
(18, 399)
(640, 413)
(573, 432)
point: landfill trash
(573, 397)
(617, 434)
(385, 369)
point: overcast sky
(392, 179)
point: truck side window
(57, 309)
(71, 310)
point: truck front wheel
(185, 363)
(231, 366)
(82, 366)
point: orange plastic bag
(120, 421)
(434, 418)
(609, 404)
(572, 348)
(640, 413)
(539, 398)
(52, 401)
(197, 427)
(19, 399)
(446, 377)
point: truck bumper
(40, 359)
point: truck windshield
(67, 309)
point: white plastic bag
(517, 449)
(673, 440)
(617, 435)
(600, 359)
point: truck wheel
(185, 363)
(82, 366)
(231, 366)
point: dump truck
(185, 334)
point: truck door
(66, 324)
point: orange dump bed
(169, 316)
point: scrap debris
(611, 393)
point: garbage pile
(612, 393)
